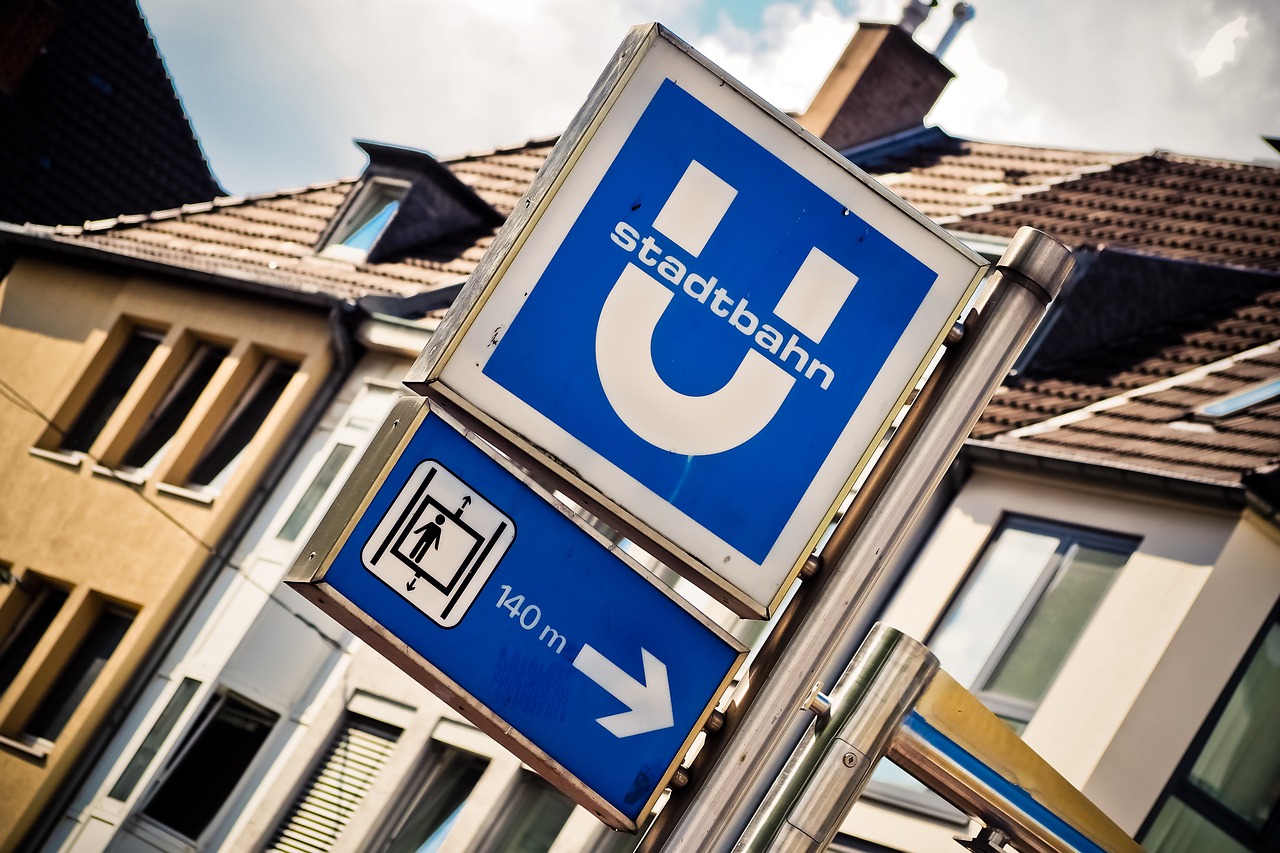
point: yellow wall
(70, 521)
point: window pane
(78, 675)
(1050, 632)
(367, 231)
(171, 411)
(315, 491)
(219, 459)
(107, 396)
(1242, 400)
(531, 820)
(990, 601)
(451, 776)
(40, 604)
(1181, 830)
(209, 766)
(151, 743)
(1240, 763)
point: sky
(278, 90)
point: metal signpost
(893, 701)
(732, 777)
(703, 327)
(549, 639)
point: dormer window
(405, 204)
(366, 219)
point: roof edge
(50, 243)
(1077, 467)
(130, 219)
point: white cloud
(788, 59)
(278, 90)
(1221, 48)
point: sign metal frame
(450, 372)
(336, 538)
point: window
(1013, 624)
(1019, 614)
(172, 409)
(530, 820)
(110, 390)
(151, 743)
(1241, 400)
(223, 451)
(315, 492)
(159, 400)
(450, 776)
(1224, 797)
(25, 616)
(79, 672)
(338, 785)
(208, 766)
(368, 216)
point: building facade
(140, 414)
(1102, 568)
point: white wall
(1150, 663)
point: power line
(14, 396)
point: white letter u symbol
(662, 416)
(739, 409)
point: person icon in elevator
(430, 539)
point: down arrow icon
(649, 703)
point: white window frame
(369, 199)
(1012, 710)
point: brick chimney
(884, 84)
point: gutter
(49, 243)
(1265, 510)
(1232, 496)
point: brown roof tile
(1208, 211)
(1139, 345)
(92, 126)
(1159, 427)
(272, 238)
(944, 177)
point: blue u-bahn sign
(529, 623)
(708, 324)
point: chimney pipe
(914, 13)
(961, 14)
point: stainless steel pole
(1027, 277)
(827, 774)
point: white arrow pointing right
(649, 703)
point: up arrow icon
(649, 702)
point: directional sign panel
(705, 325)
(525, 620)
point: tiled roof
(1209, 211)
(1156, 427)
(1135, 328)
(945, 177)
(1131, 397)
(501, 177)
(1180, 307)
(92, 126)
(271, 239)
